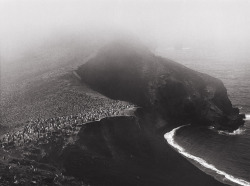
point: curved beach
(170, 139)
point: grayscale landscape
(108, 93)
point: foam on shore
(247, 117)
(170, 139)
(239, 131)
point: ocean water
(222, 155)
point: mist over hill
(88, 89)
(132, 73)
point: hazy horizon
(213, 24)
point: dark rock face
(126, 151)
(181, 95)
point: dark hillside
(125, 151)
(132, 73)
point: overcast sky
(162, 22)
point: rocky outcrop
(126, 151)
(132, 73)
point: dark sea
(226, 156)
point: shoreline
(159, 164)
(163, 175)
(229, 178)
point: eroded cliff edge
(130, 72)
(126, 150)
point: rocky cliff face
(126, 151)
(181, 95)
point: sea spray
(247, 117)
(239, 131)
(170, 139)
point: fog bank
(211, 24)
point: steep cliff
(132, 73)
(126, 151)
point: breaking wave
(236, 132)
(247, 117)
(239, 131)
(170, 139)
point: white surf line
(247, 117)
(239, 131)
(170, 139)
